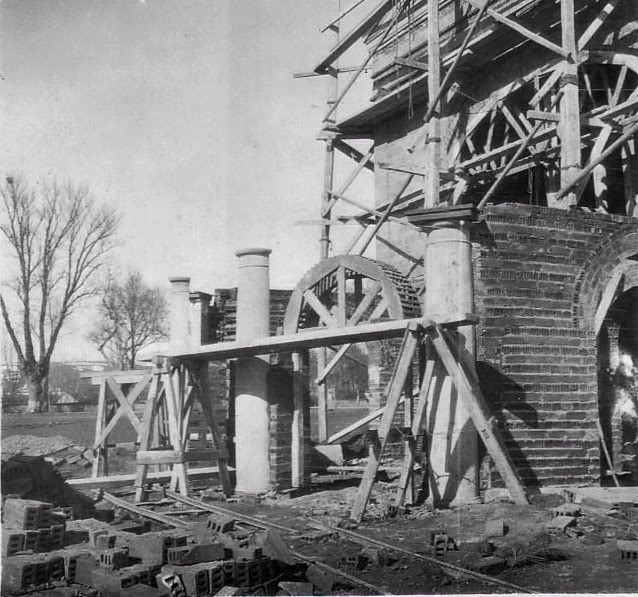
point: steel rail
(167, 520)
(355, 536)
(413, 554)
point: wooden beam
(370, 210)
(617, 144)
(569, 127)
(524, 145)
(472, 396)
(396, 387)
(596, 24)
(349, 39)
(127, 480)
(385, 215)
(320, 309)
(353, 153)
(321, 378)
(607, 298)
(411, 63)
(546, 87)
(442, 88)
(297, 449)
(432, 180)
(362, 163)
(346, 431)
(365, 303)
(368, 58)
(539, 39)
(341, 15)
(178, 456)
(629, 158)
(314, 338)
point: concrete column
(252, 438)
(453, 457)
(200, 302)
(179, 317)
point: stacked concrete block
(28, 526)
(114, 558)
(152, 548)
(27, 571)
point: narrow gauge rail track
(357, 537)
(255, 522)
(354, 536)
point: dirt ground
(583, 558)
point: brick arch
(594, 278)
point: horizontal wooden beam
(524, 31)
(177, 457)
(411, 63)
(126, 480)
(336, 437)
(315, 338)
(121, 377)
(350, 38)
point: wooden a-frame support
(173, 391)
(112, 384)
(448, 360)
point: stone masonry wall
(537, 273)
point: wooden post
(431, 183)
(569, 109)
(99, 447)
(297, 448)
(630, 176)
(395, 389)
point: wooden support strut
(469, 390)
(395, 389)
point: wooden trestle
(444, 359)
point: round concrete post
(453, 457)
(252, 433)
(179, 316)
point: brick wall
(539, 274)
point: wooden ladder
(445, 360)
(174, 388)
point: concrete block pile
(42, 549)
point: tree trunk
(36, 393)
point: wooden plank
(539, 39)
(546, 87)
(569, 127)
(398, 11)
(127, 480)
(335, 438)
(99, 445)
(432, 179)
(386, 215)
(146, 437)
(314, 338)
(297, 449)
(596, 24)
(353, 153)
(396, 387)
(411, 63)
(342, 14)
(629, 156)
(366, 303)
(319, 308)
(206, 399)
(470, 392)
(321, 378)
(419, 417)
(349, 39)
(607, 298)
(121, 377)
(151, 457)
(628, 134)
(342, 316)
(125, 405)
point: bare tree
(133, 316)
(59, 239)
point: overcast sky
(181, 113)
